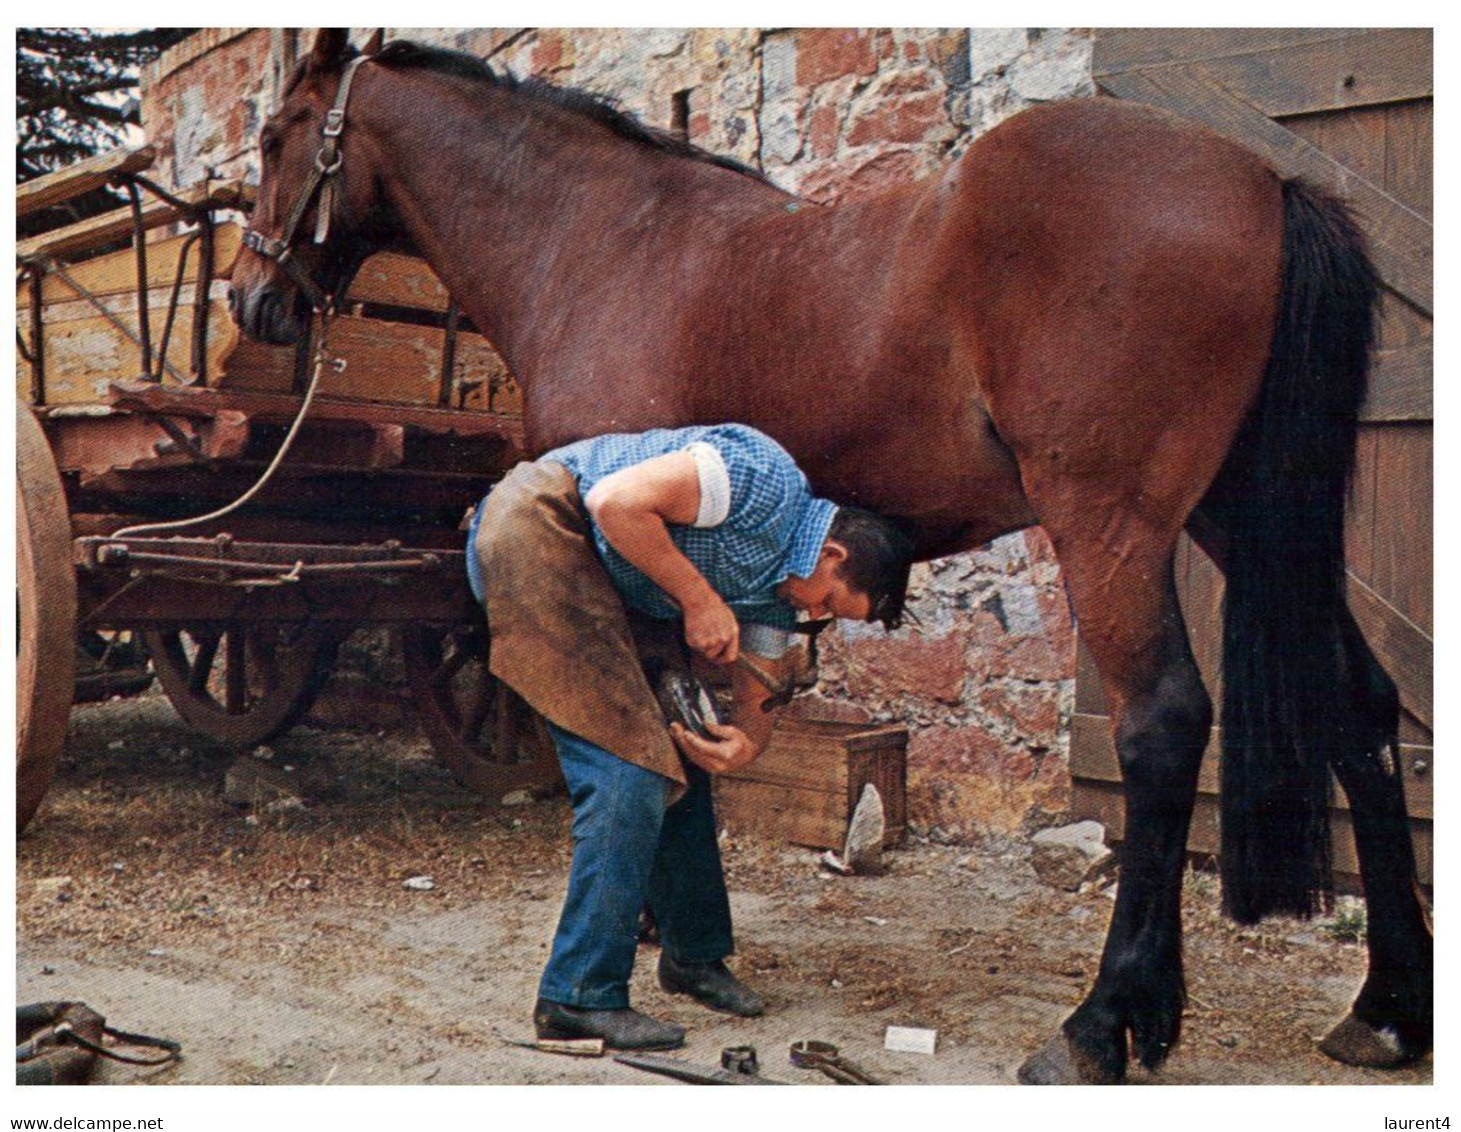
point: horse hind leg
(1390, 1023)
(1126, 601)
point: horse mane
(603, 109)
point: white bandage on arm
(715, 489)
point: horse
(1102, 318)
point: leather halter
(323, 183)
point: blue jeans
(629, 849)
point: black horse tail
(1285, 710)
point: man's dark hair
(879, 556)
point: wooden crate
(806, 783)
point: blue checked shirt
(758, 524)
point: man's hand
(730, 750)
(711, 629)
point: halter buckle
(334, 122)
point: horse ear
(373, 44)
(329, 48)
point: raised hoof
(1055, 1064)
(1355, 1042)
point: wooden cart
(140, 402)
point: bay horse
(1102, 319)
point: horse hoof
(1355, 1042)
(1055, 1064)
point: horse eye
(269, 145)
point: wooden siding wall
(1349, 109)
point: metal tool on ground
(826, 1058)
(739, 1066)
(740, 1059)
(574, 1047)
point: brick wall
(986, 679)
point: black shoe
(711, 984)
(620, 1029)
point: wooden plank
(85, 355)
(1402, 647)
(1401, 384)
(1103, 803)
(66, 184)
(399, 280)
(123, 304)
(824, 770)
(1097, 762)
(1123, 49)
(802, 816)
(1409, 154)
(191, 401)
(1400, 238)
(116, 272)
(1403, 520)
(1401, 325)
(1359, 516)
(116, 225)
(386, 361)
(1401, 378)
(1354, 138)
(1362, 69)
(1413, 733)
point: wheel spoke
(265, 653)
(471, 719)
(236, 678)
(477, 710)
(202, 662)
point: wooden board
(110, 227)
(82, 177)
(1094, 758)
(1283, 71)
(1103, 804)
(401, 281)
(1402, 528)
(385, 361)
(84, 355)
(1124, 49)
(1360, 70)
(116, 272)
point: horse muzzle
(278, 316)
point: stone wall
(205, 99)
(986, 677)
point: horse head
(318, 207)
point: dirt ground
(284, 947)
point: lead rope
(322, 358)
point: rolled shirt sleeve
(715, 484)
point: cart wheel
(244, 683)
(46, 594)
(482, 731)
